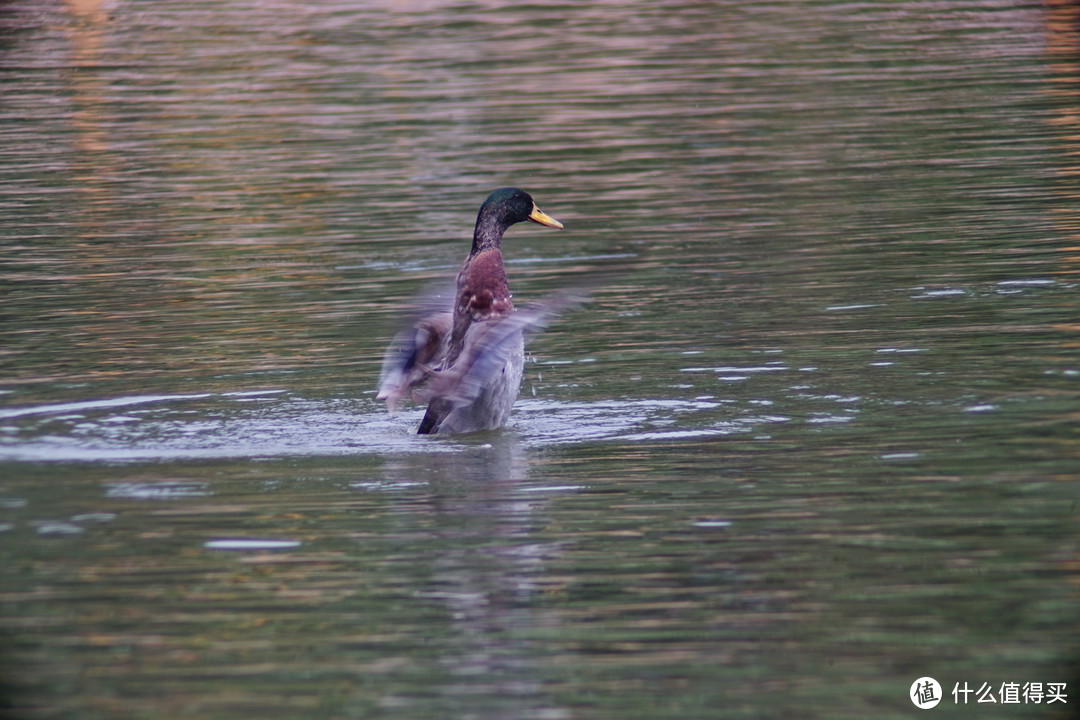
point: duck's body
(466, 363)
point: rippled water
(813, 437)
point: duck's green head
(505, 207)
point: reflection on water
(486, 579)
(812, 439)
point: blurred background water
(814, 437)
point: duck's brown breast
(483, 292)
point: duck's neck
(487, 234)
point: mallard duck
(465, 360)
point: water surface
(813, 438)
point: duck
(464, 355)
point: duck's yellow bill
(542, 218)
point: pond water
(813, 437)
